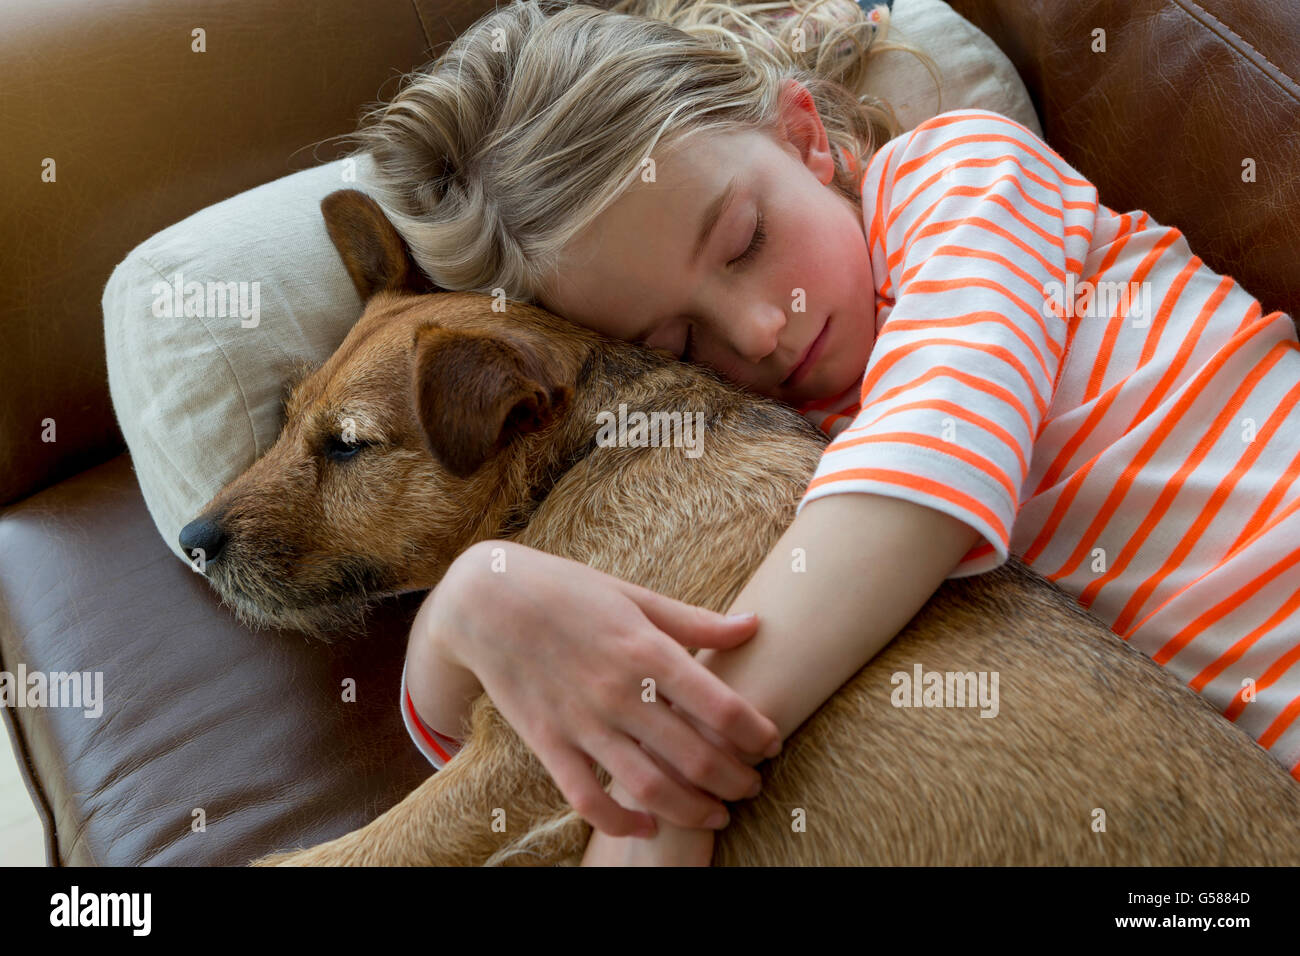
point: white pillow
(197, 395)
(976, 74)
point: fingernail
(746, 616)
(773, 750)
(718, 820)
(756, 790)
(647, 830)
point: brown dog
(472, 425)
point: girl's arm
(530, 635)
(870, 563)
(443, 690)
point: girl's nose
(756, 332)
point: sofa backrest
(1185, 93)
(143, 129)
(1192, 112)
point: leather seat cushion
(199, 712)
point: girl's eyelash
(755, 244)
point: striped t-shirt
(437, 748)
(1080, 388)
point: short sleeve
(437, 748)
(974, 226)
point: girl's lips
(809, 358)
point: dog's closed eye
(337, 449)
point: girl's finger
(573, 774)
(705, 696)
(689, 624)
(696, 760)
(637, 772)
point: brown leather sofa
(251, 727)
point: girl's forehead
(616, 265)
(705, 150)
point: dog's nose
(206, 534)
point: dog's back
(1096, 755)
(1091, 753)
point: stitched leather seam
(424, 27)
(1246, 49)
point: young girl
(1004, 364)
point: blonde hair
(490, 159)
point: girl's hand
(678, 847)
(671, 846)
(563, 649)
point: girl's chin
(830, 387)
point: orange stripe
(971, 318)
(1053, 240)
(978, 222)
(979, 384)
(1222, 609)
(1191, 392)
(962, 284)
(874, 237)
(910, 482)
(983, 189)
(1076, 439)
(1260, 520)
(1176, 483)
(1272, 522)
(421, 727)
(1049, 528)
(1019, 139)
(938, 444)
(994, 161)
(1251, 314)
(1211, 510)
(896, 355)
(1154, 396)
(1113, 327)
(1280, 723)
(939, 405)
(1234, 654)
(829, 421)
(1160, 321)
(967, 253)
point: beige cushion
(197, 394)
(976, 74)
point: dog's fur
(482, 426)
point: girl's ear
(474, 392)
(374, 253)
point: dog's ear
(376, 256)
(474, 392)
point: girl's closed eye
(755, 243)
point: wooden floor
(22, 842)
